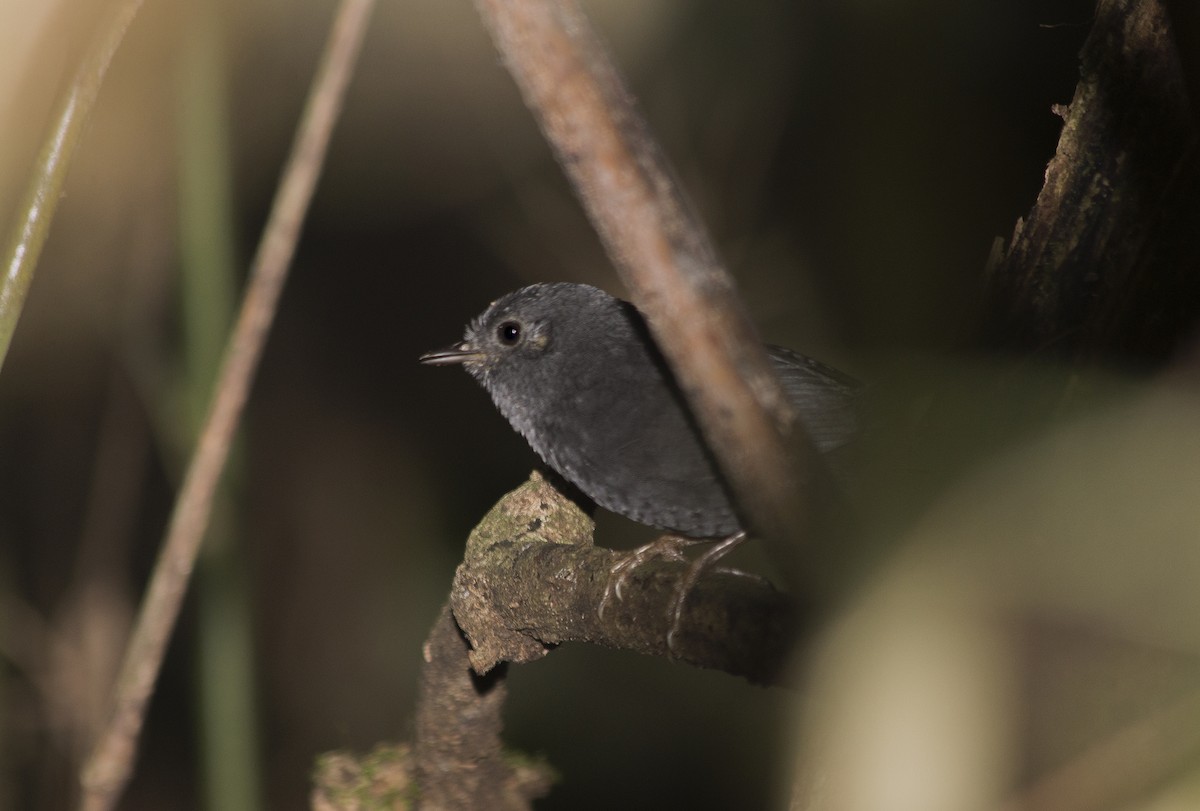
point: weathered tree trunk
(1106, 267)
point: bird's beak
(461, 352)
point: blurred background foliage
(854, 160)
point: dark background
(854, 161)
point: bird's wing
(826, 399)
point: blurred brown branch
(110, 764)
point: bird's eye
(509, 333)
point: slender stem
(110, 764)
(24, 244)
(227, 714)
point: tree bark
(1105, 267)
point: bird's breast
(633, 450)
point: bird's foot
(692, 575)
(667, 547)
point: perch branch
(532, 578)
(459, 759)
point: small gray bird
(577, 373)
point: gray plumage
(576, 372)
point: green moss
(534, 511)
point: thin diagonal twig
(111, 762)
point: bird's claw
(691, 576)
(667, 547)
(671, 547)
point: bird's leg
(692, 575)
(668, 547)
